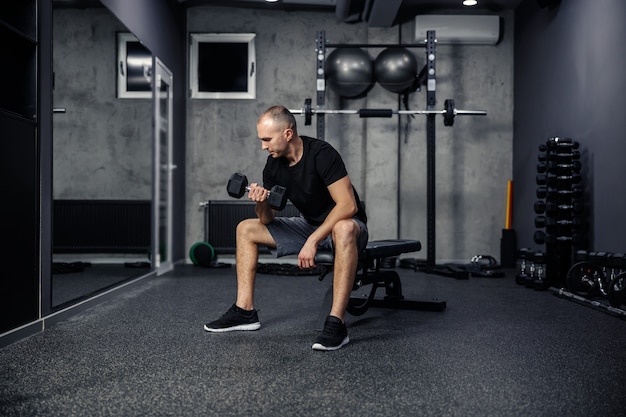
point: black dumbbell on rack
(552, 179)
(552, 208)
(574, 166)
(541, 238)
(238, 185)
(551, 222)
(559, 143)
(550, 192)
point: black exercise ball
(349, 72)
(395, 69)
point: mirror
(102, 158)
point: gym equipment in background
(561, 214)
(425, 77)
(531, 269)
(349, 72)
(395, 69)
(598, 280)
(370, 271)
(202, 253)
(449, 112)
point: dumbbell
(543, 192)
(575, 166)
(524, 256)
(541, 207)
(567, 156)
(537, 271)
(563, 156)
(238, 185)
(543, 221)
(550, 179)
(541, 238)
(586, 279)
(559, 143)
(540, 280)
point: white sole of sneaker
(241, 327)
(319, 346)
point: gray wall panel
(570, 64)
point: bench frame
(370, 271)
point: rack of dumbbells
(560, 213)
(595, 278)
(559, 208)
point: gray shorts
(290, 234)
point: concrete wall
(387, 166)
(102, 145)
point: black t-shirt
(307, 181)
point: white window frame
(123, 39)
(247, 38)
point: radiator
(101, 226)
(222, 217)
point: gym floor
(499, 349)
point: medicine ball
(349, 72)
(395, 69)
(202, 254)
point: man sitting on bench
(332, 218)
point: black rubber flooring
(499, 349)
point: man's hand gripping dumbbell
(238, 185)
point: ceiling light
(470, 2)
(271, 1)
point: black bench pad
(377, 249)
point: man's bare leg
(345, 236)
(242, 316)
(250, 234)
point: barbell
(449, 112)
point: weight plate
(202, 254)
(617, 291)
(307, 112)
(448, 117)
(585, 279)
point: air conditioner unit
(459, 29)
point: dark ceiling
(377, 13)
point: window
(134, 68)
(222, 66)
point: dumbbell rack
(560, 211)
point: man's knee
(345, 231)
(253, 231)
(248, 228)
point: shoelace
(331, 328)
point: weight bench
(370, 271)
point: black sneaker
(334, 335)
(234, 319)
